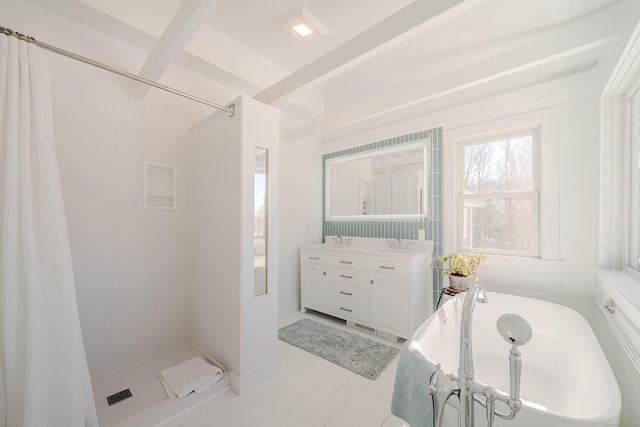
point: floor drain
(117, 397)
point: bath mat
(358, 354)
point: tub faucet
(466, 373)
(516, 331)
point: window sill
(623, 316)
(524, 264)
(623, 285)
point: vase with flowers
(460, 268)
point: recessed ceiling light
(302, 24)
(303, 30)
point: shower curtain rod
(9, 32)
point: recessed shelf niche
(160, 186)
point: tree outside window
(259, 202)
(498, 198)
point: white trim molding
(547, 122)
(614, 144)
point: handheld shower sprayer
(516, 331)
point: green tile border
(401, 229)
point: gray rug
(353, 352)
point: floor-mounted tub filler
(490, 359)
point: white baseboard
(243, 383)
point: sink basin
(395, 251)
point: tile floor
(308, 392)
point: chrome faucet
(399, 243)
(516, 331)
(466, 373)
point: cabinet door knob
(610, 306)
(346, 293)
(346, 309)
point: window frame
(532, 131)
(614, 203)
(628, 177)
(628, 168)
(547, 120)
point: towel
(194, 375)
(412, 400)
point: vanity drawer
(352, 277)
(348, 301)
(348, 262)
(390, 267)
(313, 258)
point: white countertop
(375, 247)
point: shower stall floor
(148, 403)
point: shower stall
(159, 200)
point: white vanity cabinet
(348, 288)
(314, 274)
(375, 288)
(389, 301)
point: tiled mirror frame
(403, 229)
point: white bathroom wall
(300, 212)
(568, 278)
(132, 266)
(259, 355)
(570, 281)
(217, 245)
(229, 322)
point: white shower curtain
(44, 377)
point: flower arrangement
(462, 265)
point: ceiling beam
(406, 23)
(185, 23)
(590, 32)
(205, 68)
(106, 24)
(125, 33)
(85, 15)
(582, 80)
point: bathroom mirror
(260, 222)
(386, 183)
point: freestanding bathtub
(566, 378)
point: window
(260, 185)
(498, 195)
(634, 187)
(619, 204)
